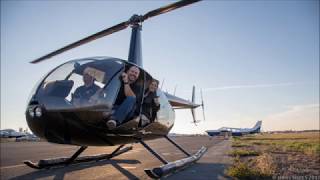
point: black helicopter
(51, 114)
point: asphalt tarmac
(129, 165)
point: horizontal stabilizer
(179, 103)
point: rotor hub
(136, 20)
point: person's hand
(94, 99)
(76, 102)
(124, 77)
(99, 92)
(156, 101)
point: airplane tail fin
(257, 126)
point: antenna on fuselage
(162, 83)
(175, 88)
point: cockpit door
(133, 122)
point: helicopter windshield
(81, 83)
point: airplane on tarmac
(10, 133)
(28, 137)
(236, 131)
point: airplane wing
(179, 103)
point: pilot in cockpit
(83, 94)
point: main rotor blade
(95, 36)
(168, 8)
(117, 28)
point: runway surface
(130, 165)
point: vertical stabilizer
(257, 126)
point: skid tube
(64, 161)
(171, 167)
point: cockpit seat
(59, 88)
(54, 94)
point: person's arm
(155, 108)
(127, 89)
(156, 104)
(76, 98)
(96, 96)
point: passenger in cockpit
(83, 94)
(125, 103)
(151, 103)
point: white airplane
(10, 133)
(236, 131)
(28, 137)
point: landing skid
(48, 163)
(157, 172)
(171, 167)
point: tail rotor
(202, 105)
(192, 109)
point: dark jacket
(149, 107)
(84, 93)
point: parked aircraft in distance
(10, 133)
(236, 131)
(28, 137)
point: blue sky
(254, 60)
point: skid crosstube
(64, 161)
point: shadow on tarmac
(58, 173)
(200, 171)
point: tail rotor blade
(202, 105)
(193, 94)
(193, 115)
(193, 98)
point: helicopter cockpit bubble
(55, 92)
(52, 104)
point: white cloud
(250, 86)
(300, 117)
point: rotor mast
(135, 50)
